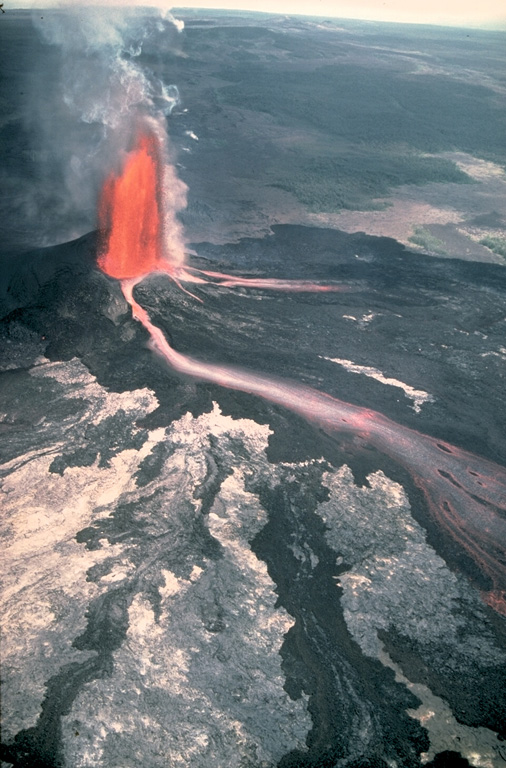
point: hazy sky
(461, 12)
(488, 13)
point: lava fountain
(131, 216)
(133, 241)
(465, 494)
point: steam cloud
(92, 92)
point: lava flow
(265, 283)
(465, 494)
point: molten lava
(465, 494)
(132, 238)
(130, 215)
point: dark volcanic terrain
(193, 575)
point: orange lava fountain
(130, 215)
(132, 237)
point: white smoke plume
(90, 93)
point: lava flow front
(465, 494)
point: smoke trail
(91, 94)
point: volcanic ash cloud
(92, 94)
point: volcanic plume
(466, 495)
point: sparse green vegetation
(333, 122)
(496, 244)
(428, 241)
(377, 131)
(345, 180)
(363, 104)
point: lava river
(465, 494)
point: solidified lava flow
(466, 495)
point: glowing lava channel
(465, 493)
(267, 283)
